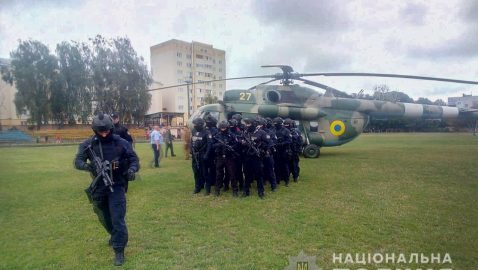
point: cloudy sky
(431, 38)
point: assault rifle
(103, 170)
(252, 150)
(228, 147)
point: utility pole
(188, 81)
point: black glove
(131, 175)
(87, 167)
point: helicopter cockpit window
(197, 114)
(213, 114)
(314, 126)
(288, 97)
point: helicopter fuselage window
(314, 126)
(273, 96)
(288, 97)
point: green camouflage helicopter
(325, 120)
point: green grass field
(399, 193)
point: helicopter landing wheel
(311, 151)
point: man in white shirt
(156, 139)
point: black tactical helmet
(268, 121)
(210, 121)
(288, 122)
(223, 124)
(261, 121)
(232, 122)
(237, 117)
(277, 121)
(102, 122)
(114, 115)
(198, 122)
(248, 120)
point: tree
(34, 71)
(380, 91)
(209, 98)
(439, 102)
(425, 101)
(72, 97)
(120, 78)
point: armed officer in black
(296, 148)
(225, 147)
(121, 130)
(268, 160)
(120, 163)
(283, 151)
(211, 123)
(200, 147)
(256, 142)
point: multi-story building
(465, 102)
(176, 62)
(8, 111)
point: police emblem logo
(302, 262)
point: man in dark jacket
(121, 130)
(112, 163)
(168, 140)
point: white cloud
(434, 38)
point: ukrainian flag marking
(337, 128)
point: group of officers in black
(237, 152)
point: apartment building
(8, 112)
(176, 62)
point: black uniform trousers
(223, 165)
(281, 164)
(269, 174)
(200, 172)
(253, 170)
(294, 165)
(110, 207)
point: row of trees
(383, 92)
(78, 81)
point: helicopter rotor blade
(349, 74)
(269, 81)
(219, 80)
(336, 92)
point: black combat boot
(119, 257)
(261, 196)
(235, 193)
(208, 191)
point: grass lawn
(394, 193)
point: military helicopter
(330, 119)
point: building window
(220, 61)
(188, 65)
(180, 107)
(179, 55)
(199, 56)
(188, 56)
(180, 63)
(180, 71)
